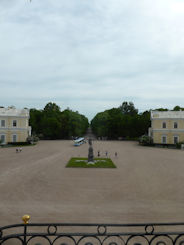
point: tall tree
(121, 122)
(51, 123)
(36, 121)
(128, 108)
(178, 108)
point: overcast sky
(91, 55)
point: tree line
(52, 123)
(123, 122)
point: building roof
(167, 114)
(14, 112)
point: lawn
(81, 162)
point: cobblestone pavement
(146, 186)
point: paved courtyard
(146, 186)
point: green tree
(51, 123)
(114, 123)
(121, 122)
(161, 109)
(51, 108)
(99, 124)
(51, 128)
(128, 108)
(178, 108)
(73, 124)
(36, 121)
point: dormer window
(175, 125)
(14, 123)
(164, 125)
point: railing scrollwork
(92, 234)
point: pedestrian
(106, 153)
(98, 153)
(116, 154)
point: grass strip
(81, 162)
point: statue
(90, 152)
(90, 141)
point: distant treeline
(51, 123)
(123, 122)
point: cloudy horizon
(92, 55)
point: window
(14, 123)
(164, 139)
(14, 138)
(2, 123)
(176, 139)
(175, 125)
(164, 125)
(2, 138)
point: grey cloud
(100, 51)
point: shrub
(145, 140)
(32, 139)
(178, 145)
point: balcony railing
(93, 234)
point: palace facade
(14, 125)
(167, 127)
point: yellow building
(167, 127)
(14, 125)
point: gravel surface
(146, 186)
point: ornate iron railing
(93, 234)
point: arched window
(3, 138)
(164, 125)
(164, 139)
(175, 125)
(176, 139)
(14, 138)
